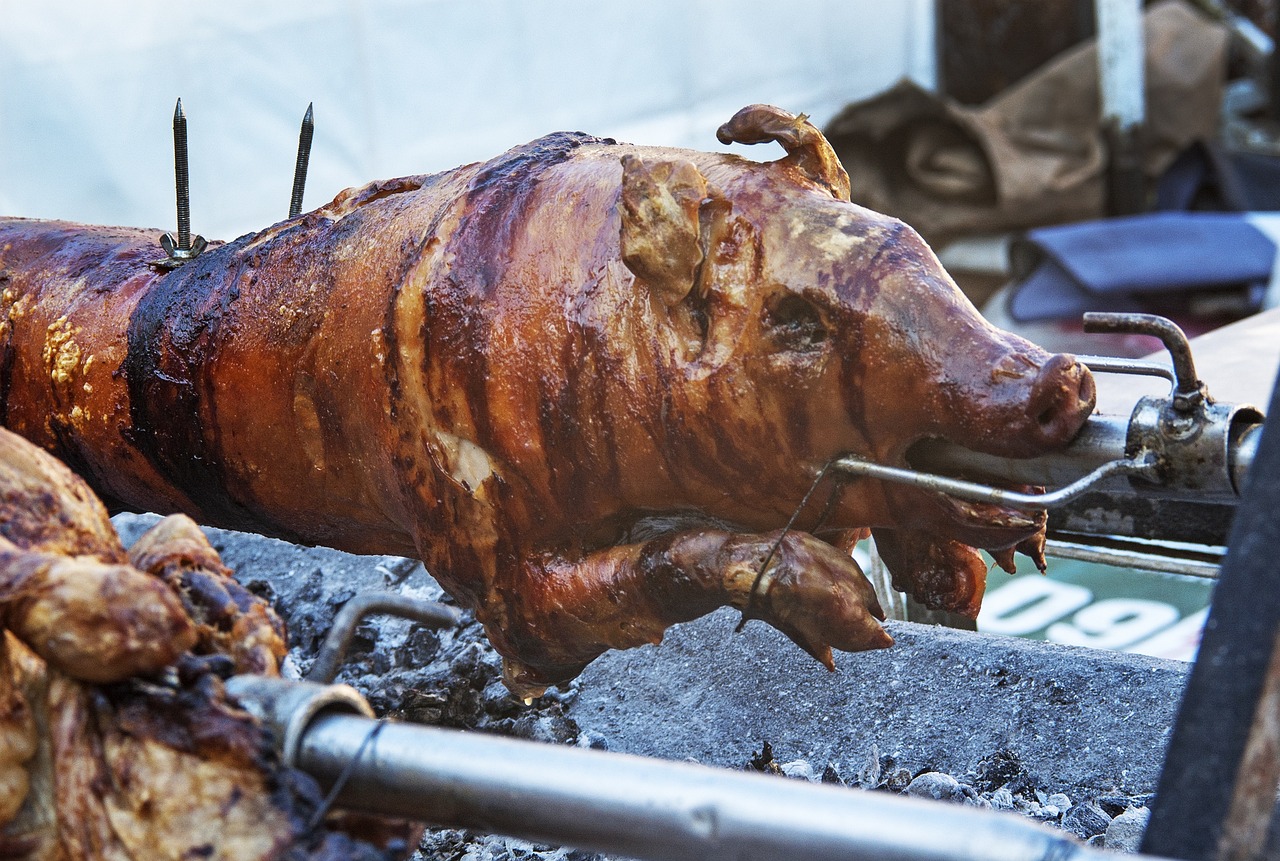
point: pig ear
(806, 148)
(660, 233)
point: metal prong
(183, 248)
(181, 177)
(300, 167)
(334, 649)
(1142, 467)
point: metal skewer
(614, 802)
(300, 166)
(184, 248)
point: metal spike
(300, 167)
(184, 247)
(181, 178)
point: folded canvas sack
(1165, 262)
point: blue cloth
(1127, 264)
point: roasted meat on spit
(586, 383)
(117, 740)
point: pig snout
(1061, 400)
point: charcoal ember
(593, 739)
(1001, 768)
(419, 648)
(764, 761)
(1060, 800)
(498, 701)
(1114, 805)
(1085, 820)
(470, 846)
(938, 786)
(896, 780)
(933, 784)
(415, 706)
(1002, 799)
(548, 727)
(868, 774)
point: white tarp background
(87, 89)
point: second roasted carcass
(587, 383)
(117, 739)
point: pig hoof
(939, 573)
(818, 596)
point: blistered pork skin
(503, 368)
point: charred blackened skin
(510, 368)
(172, 335)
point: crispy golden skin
(515, 369)
(115, 741)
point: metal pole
(1120, 69)
(1218, 784)
(650, 809)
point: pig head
(587, 383)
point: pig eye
(795, 324)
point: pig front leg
(940, 573)
(564, 613)
(944, 574)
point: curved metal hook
(1188, 390)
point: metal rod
(1120, 74)
(1130, 559)
(1100, 441)
(1136, 367)
(338, 640)
(300, 166)
(974, 492)
(181, 179)
(650, 809)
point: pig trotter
(806, 148)
(816, 595)
(1004, 558)
(1034, 548)
(627, 596)
(939, 573)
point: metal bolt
(300, 166)
(184, 248)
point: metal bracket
(1188, 391)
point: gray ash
(452, 678)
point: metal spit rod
(1102, 440)
(1181, 446)
(619, 803)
